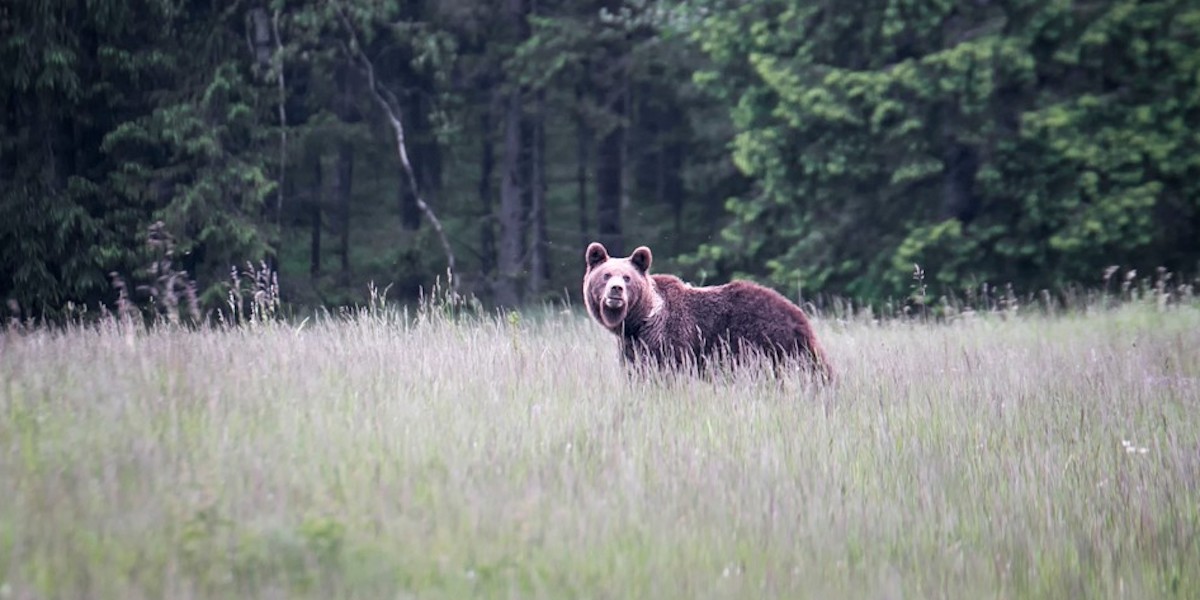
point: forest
(854, 149)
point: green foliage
(123, 114)
(825, 147)
(1028, 142)
(206, 174)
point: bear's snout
(614, 293)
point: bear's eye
(626, 279)
(607, 276)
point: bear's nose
(616, 286)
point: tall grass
(379, 454)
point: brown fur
(661, 319)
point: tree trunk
(424, 151)
(314, 250)
(426, 154)
(281, 109)
(609, 179)
(410, 215)
(509, 252)
(958, 182)
(583, 143)
(670, 163)
(613, 93)
(261, 38)
(316, 196)
(526, 179)
(487, 162)
(675, 197)
(343, 171)
(429, 152)
(539, 265)
(961, 163)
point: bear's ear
(641, 258)
(595, 254)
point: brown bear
(661, 320)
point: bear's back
(733, 315)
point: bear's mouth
(614, 302)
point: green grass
(371, 455)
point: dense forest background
(821, 147)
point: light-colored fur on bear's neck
(646, 324)
(656, 300)
(650, 325)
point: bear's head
(615, 289)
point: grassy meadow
(376, 454)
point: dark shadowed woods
(821, 148)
